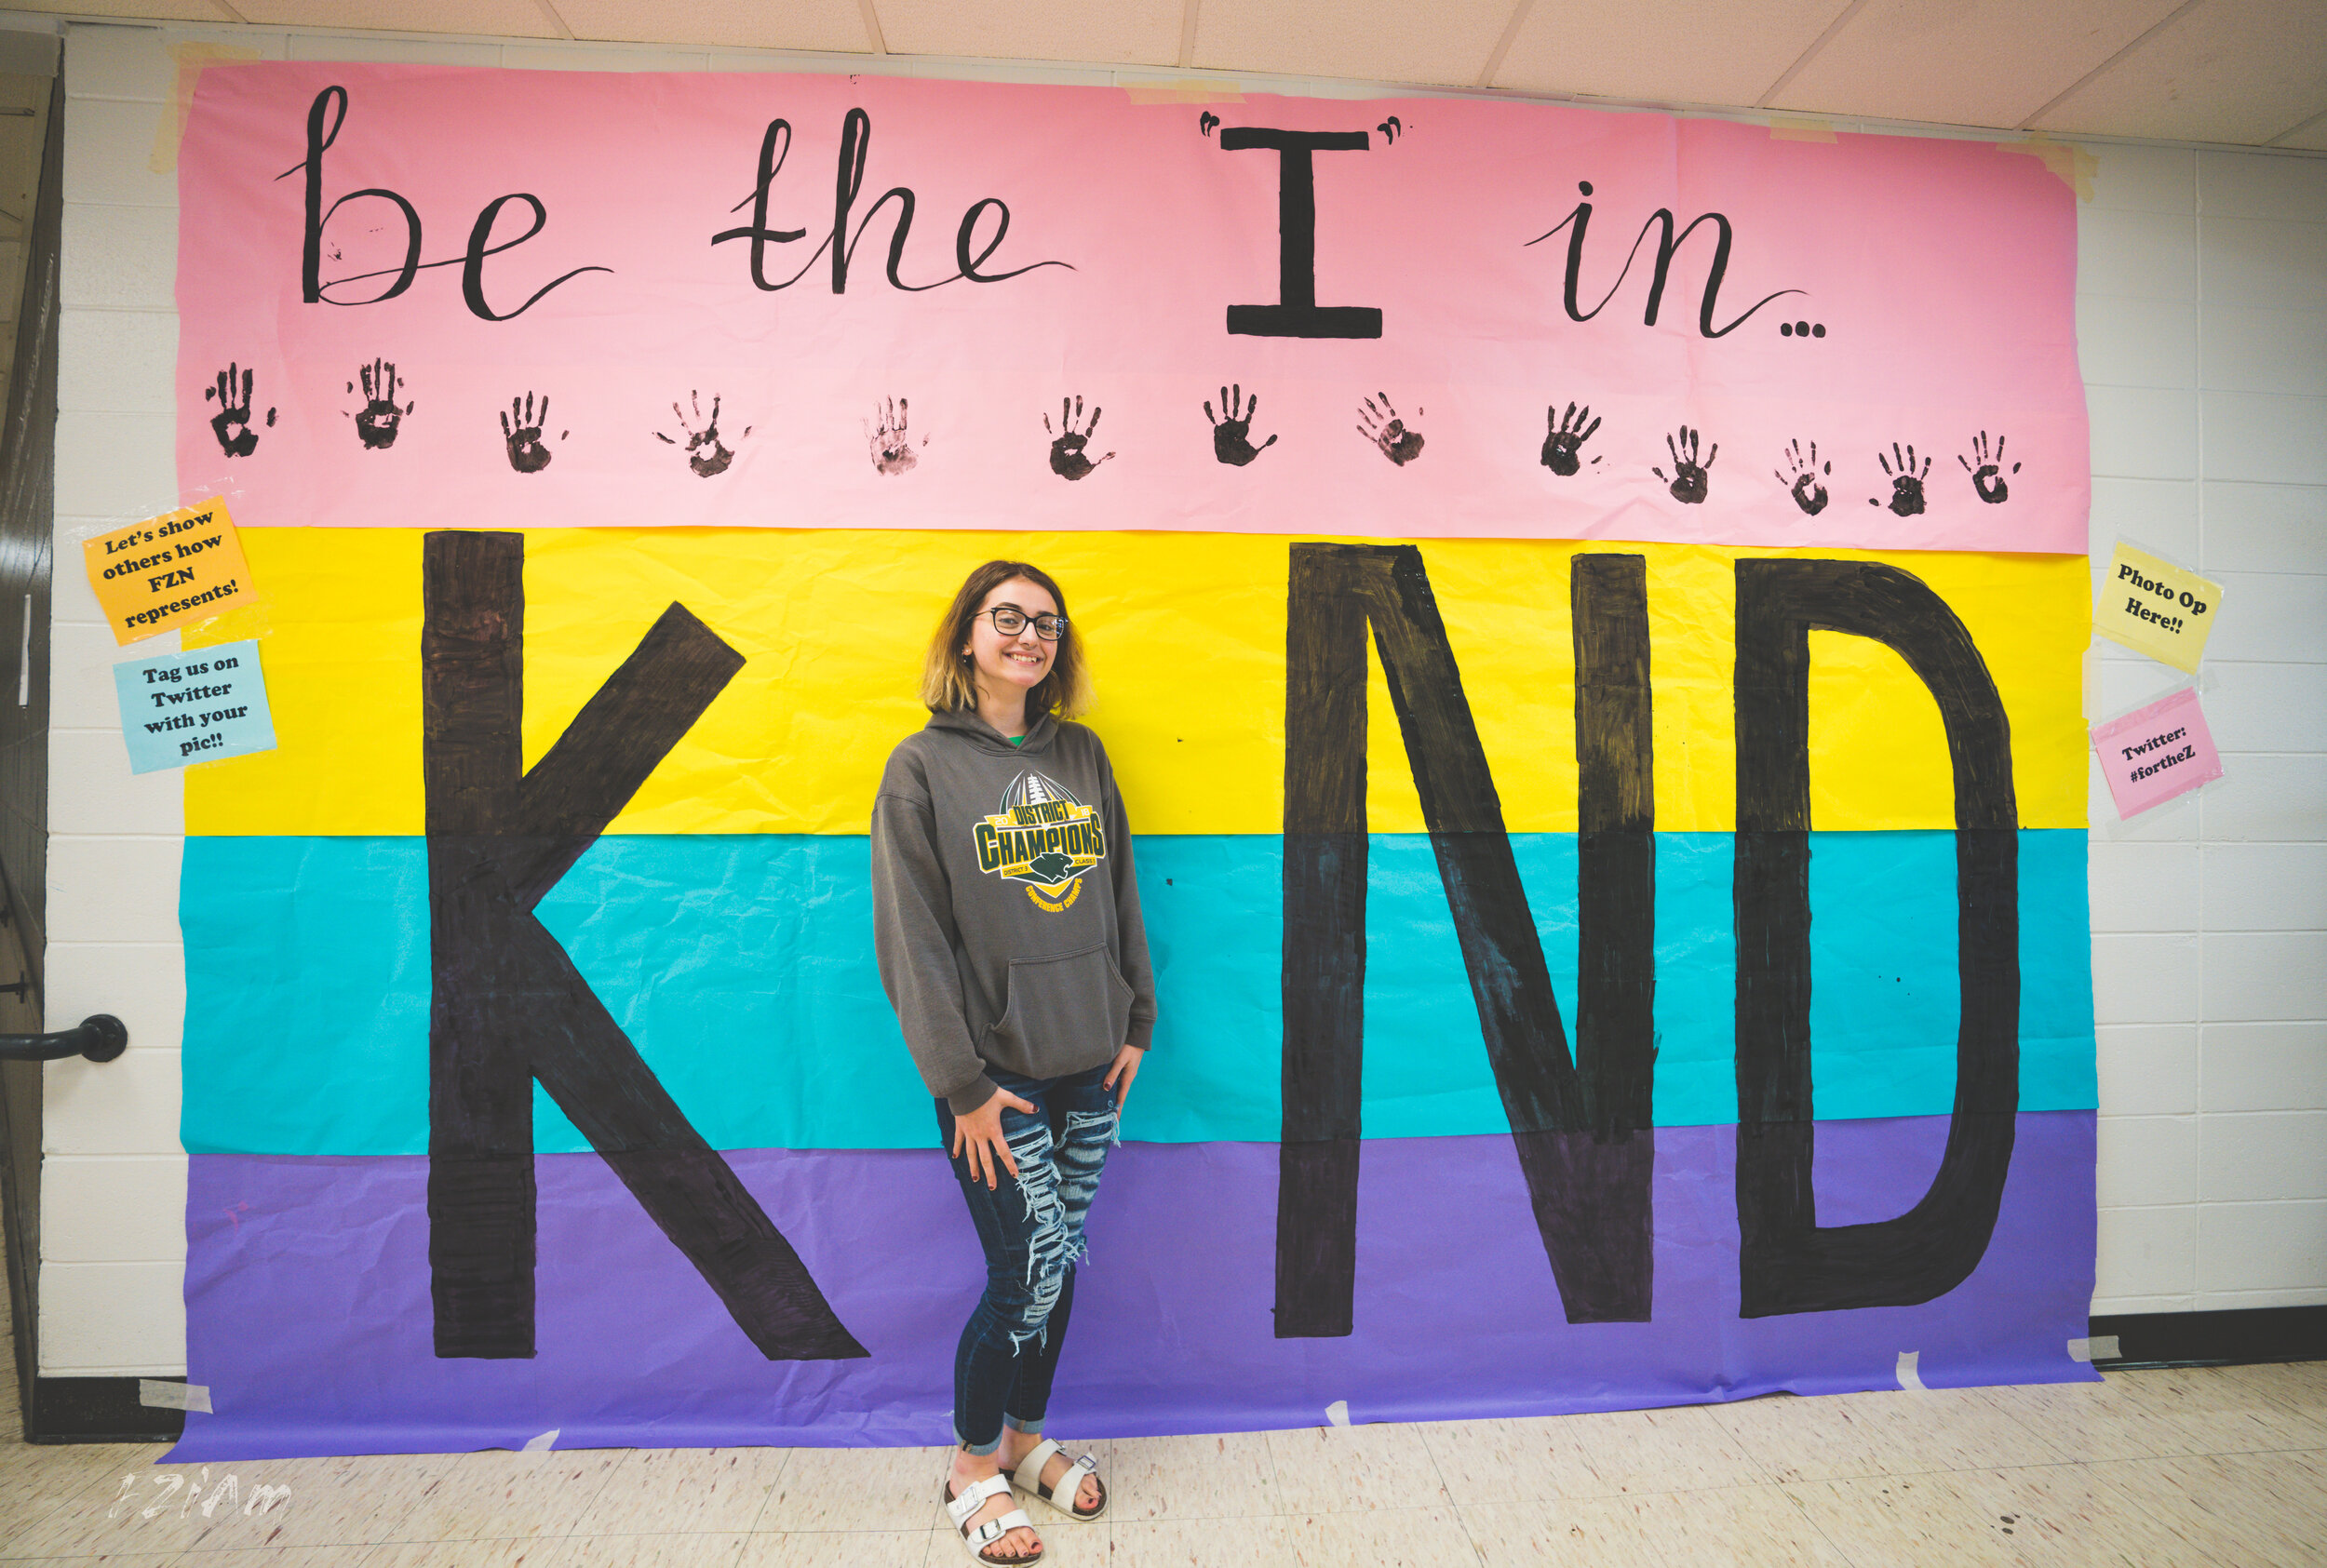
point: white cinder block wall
(2202, 321)
(2202, 310)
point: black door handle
(100, 1038)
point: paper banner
(194, 708)
(172, 570)
(1647, 511)
(638, 300)
(2156, 607)
(2156, 752)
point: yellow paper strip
(1187, 636)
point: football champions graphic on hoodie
(1043, 837)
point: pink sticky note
(2156, 752)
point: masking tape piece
(2100, 1348)
(2076, 167)
(1338, 1413)
(1801, 130)
(544, 1443)
(170, 129)
(162, 1394)
(1909, 1378)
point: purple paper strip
(309, 1318)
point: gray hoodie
(1005, 916)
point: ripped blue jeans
(1031, 1229)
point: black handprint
(1988, 480)
(377, 424)
(1385, 430)
(521, 428)
(706, 454)
(1907, 482)
(1809, 494)
(1690, 481)
(1564, 435)
(230, 425)
(891, 448)
(1067, 450)
(1231, 437)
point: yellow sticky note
(2154, 607)
(169, 570)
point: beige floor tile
(690, 1549)
(105, 1559)
(1832, 1436)
(37, 1479)
(1257, 1542)
(503, 1496)
(2072, 1515)
(150, 1508)
(2127, 1515)
(854, 1549)
(2299, 1386)
(1380, 1538)
(666, 1491)
(826, 1489)
(262, 1557)
(1343, 1469)
(1895, 1521)
(1228, 1477)
(542, 1551)
(1597, 1455)
(2145, 1414)
(354, 1500)
(2258, 1509)
(1751, 1526)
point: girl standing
(1006, 923)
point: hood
(966, 723)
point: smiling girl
(1006, 923)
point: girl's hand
(1126, 1067)
(977, 1137)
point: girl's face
(1018, 661)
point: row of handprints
(524, 428)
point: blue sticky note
(194, 708)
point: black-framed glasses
(1009, 620)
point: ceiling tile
(144, 10)
(1965, 62)
(505, 19)
(1441, 42)
(833, 26)
(1626, 48)
(2311, 137)
(1129, 33)
(2235, 71)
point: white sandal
(1028, 1478)
(975, 1538)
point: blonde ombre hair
(949, 679)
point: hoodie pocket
(1063, 1008)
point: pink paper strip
(2156, 752)
(1934, 280)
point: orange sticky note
(184, 565)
